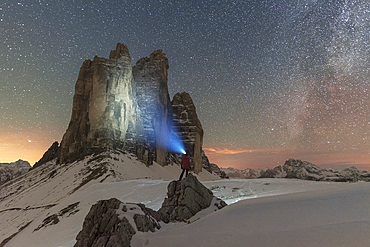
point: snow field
(262, 212)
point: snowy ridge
(52, 188)
(301, 170)
(9, 171)
(47, 207)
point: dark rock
(152, 215)
(103, 227)
(185, 198)
(145, 223)
(49, 155)
(220, 203)
(108, 223)
(9, 171)
(50, 220)
(212, 168)
(6, 240)
(188, 127)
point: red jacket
(185, 162)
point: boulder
(185, 198)
(113, 223)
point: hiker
(185, 165)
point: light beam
(175, 144)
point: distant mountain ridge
(294, 168)
(8, 171)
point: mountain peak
(117, 106)
(121, 51)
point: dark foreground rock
(212, 168)
(186, 198)
(49, 155)
(114, 223)
(299, 169)
(108, 223)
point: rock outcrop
(117, 106)
(106, 224)
(9, 171)
(212, 168)
(185, 198)
(298, 169)
(187, 125)
(49, 155)
(104, 106)
(113, 223)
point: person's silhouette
(185, 165)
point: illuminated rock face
(188, 127)
(123, 107)
(104, 107)
(155, 111)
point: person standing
(185, 165)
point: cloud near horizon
(228, 151)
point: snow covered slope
(70, 189)
(47, 206)
(8, 171)
(337, 216)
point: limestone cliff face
(119, 106)
(104, 107)
(189, 128)
(155, 111)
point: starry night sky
(271, 80)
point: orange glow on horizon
(240, 151)
(272, 157)
(227, 151)
(28, 146)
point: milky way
(271, 80)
